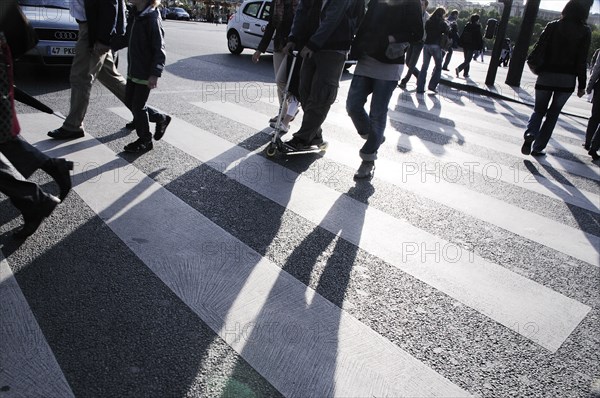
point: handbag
(396, 50)
(445, 42)
(537, 58)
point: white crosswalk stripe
(252, 302)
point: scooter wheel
(271, 150)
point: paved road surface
(205, 269)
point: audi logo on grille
(62, 35)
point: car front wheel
(234, 43)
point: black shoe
(538, 153)
(586, 146)
(526, 148)
(402, 85)
(446, 69)
(457, 72)
(130, 126)
(594, 155)
(31, 225)
(365, 170)
(161, 127)
(59, 170)
(62, 134)
(139, 146)
(295, 145)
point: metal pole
(517, 60)
(500, 35)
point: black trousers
(26, 196)
(23, 156)
(594, 120)
(136, 96)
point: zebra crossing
(326, 288)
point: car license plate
(61, 51)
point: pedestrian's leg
(437, 70)
(360, 88)
(328, 67)
(110, 77)
(467, 65)
(595, 144)
(26, 196)
(424, 67)
(84, 69)
(558, 102)
(382, 93)
(138, 108)
(448, 58)
(23, 156)
(280, 67)
(542, 99)
(594, 120)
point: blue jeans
(373, 124)
(412, 57)
(430, 51)
(541, 109)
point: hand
(306, 53)
(152, 82)
(256, 56)
(289, 47)
(391, 39)
(580, 92)
(100, 49)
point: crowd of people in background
(384, 37)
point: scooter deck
(312, 149)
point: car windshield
(45, 3)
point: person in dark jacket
(471, 40)
(435, 27)
(414, 50)
(146, 61)
(380, 45)
(453, 35)
(18, 158)
(99, 22)
(322, 30)
(565, 60)
(278, 28)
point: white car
(246, 26)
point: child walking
(146, 60)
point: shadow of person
(308, 337)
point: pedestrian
(592, 134)
(145, 63)
(471, 40)
(414, 50)
(435, 27)
(567, 41)
(452, 22)
(380, 44)
(98, 22)
(278, 29)
(505, 53)
(19, 159)
(322, 31)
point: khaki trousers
(86, 68)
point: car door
(255, 19)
